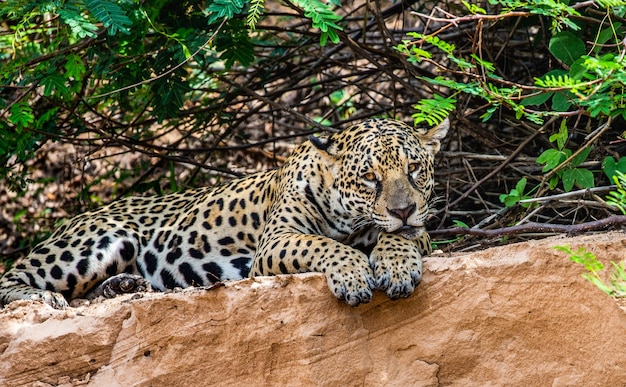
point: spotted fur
(351, 205)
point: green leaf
(19, 214)
(254, 12)
(554, 78)
(235, 44)
(554, 181)
(329, 34)
(434, 110)
(537, 99)
(74, 67)
(110, 14)
(551, 158)
(322, 17)
(516, 194)
(54, 82)
(459, 223)
(561, 136)
(600, 104)
(47, 118)
(483, 63)
(598, 283)
(509, 200)
(578, 70)
(611, 167)
(617, 198)
(473, 8)
(583, 177)
(561, 101)
(488, 113)
(462, 63)
(21, 114)
(564, 248)
(220, 9)
(567, 47)
(72, 16)
(521, 185)
(617, 277)
(171, 96)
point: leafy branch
(112, 16)
(616, 287)
(592, 83)
(113, 57)
(322, 17)
(617, 198)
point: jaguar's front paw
(398, 271)
(351, 284)
(399, 280)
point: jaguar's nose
(402, 213)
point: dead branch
(579, 192)
(602, 224)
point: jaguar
(351, 205)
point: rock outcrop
(513, 315)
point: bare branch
(602, 224)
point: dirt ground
(513, 315)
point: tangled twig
(602, 224)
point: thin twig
(569, 194)
(499, 168)
(463, 19)
(275, 104)
(602, 224)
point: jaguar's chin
(410, 232)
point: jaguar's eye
(370, 176)
(414, 168)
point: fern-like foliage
(21, 115)
(444, 46)
(254, 13)
(220, 9)
(557, 81)
(617, 198)
(433, 111)
(74, 18)
(234, 44)
(322, 17)
(611, 3)
(110, 14)
(18, 8)
(559, 12)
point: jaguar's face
(384, 173)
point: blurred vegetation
(202, 91)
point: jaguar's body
(351, 205)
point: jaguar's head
(383, 173)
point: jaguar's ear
(324, 143)
(433, 137)
(320, 142)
